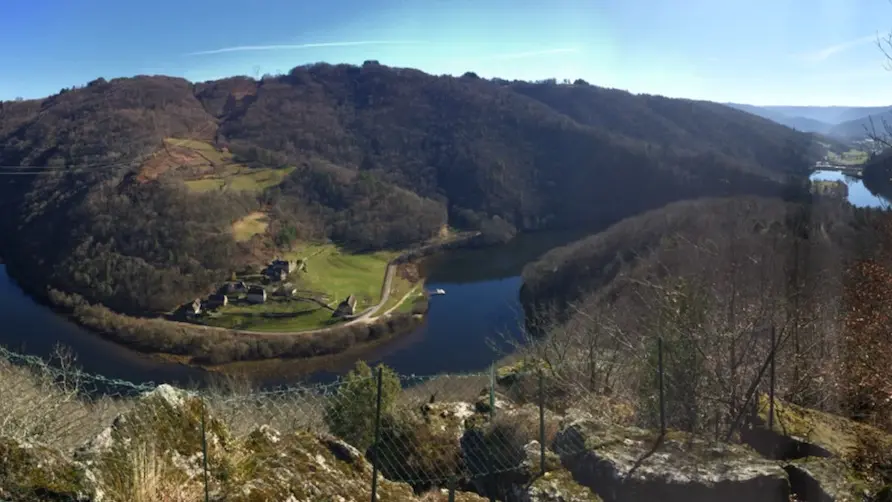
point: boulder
(630, 464)
(800, 432)
(30, 472)
(557, 486)
(155, 448)
(302, 466)
(819, 479)
(503, 457)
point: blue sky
(792, 52)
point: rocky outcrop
(799, 432)
(302, 466)
(154, 451)
(817, 479)
(628, 464)
(30, 472)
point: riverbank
(209, 347)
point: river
(465, 330)
(472, 325)
(859, 195)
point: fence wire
(145, 442)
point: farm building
(218, 300)
(346, 307)
(194, 308)
(256, 294)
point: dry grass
(50, 407)
(253, 224)
(151, 477)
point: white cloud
(294, 47)
(831, 50)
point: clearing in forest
(249, 226)
(204, 167)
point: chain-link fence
(479, 432)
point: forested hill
(138, 181)
(707, 241)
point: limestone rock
(557, 486)
(30, 472)
(801, 432)
(626, 464)
(304, 467)
(826, 480)
(155, 447)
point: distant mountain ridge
(142, 178)
(846, 122)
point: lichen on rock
(36, 473)
(558, 486)
(625, 463)
(304, 466)
(827, 480)
(802, 432)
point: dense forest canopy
(371, 157)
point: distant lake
(859, 195)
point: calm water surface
(469, 327)
(465, 330)
(859, 195)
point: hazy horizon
(759, 52)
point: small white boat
(438, 291)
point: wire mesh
(481, 430)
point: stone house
(234, 288)
(218, 300)
(256, 294)
(277, 274)
(194, 308)
(288, 266)
(346, 307)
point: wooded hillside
(138, 181)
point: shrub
(351, 414)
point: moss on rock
(35, 473)
(624, 463)
(559, 486)
(802, 432)
(827, 480)
(305, 467)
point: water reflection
(859, 194)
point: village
(274, 285)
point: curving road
(364, 317)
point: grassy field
(276, 315)
(331, 276)
(239, 178)
(337, 274)
(230, 175)
(249, 226)
(399, 288)
(407, 306)
(850, 158)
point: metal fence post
(771, 382)
(662, 393)
(204, 452)
(541, 421)
(377, 437)
(492, 391)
